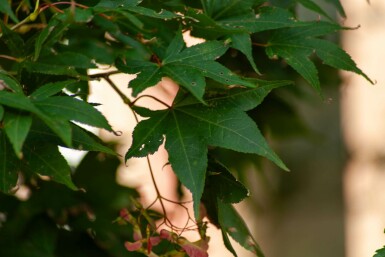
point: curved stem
(152, 97)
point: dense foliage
(46, 50)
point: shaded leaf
(234, 225)
(223, 185)
(45, 159)
(16, 126)
(242, 42)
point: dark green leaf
(224, 185)
(242, 42)
(187, 155)
(234, 225)
(16, 126)
(298, 58)
(8, 165)
(148, 136)
(50, 89)
(69, 108)
(5, 7)
(45, 159)
(231, 129)
(148, 77)
(189, 131)
(335, 57)
(380, 252)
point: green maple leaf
(296, 45)
(190, 128)
(187, 66)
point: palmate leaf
(296, 45)
(188, 67)
(189, 130)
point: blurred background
(332, 203)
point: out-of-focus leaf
(1, 112)
(16, 126)
(50, 34)
(234, 225)
(5, 7)
(8, 165)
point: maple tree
(46, 49)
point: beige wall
(363, 120)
